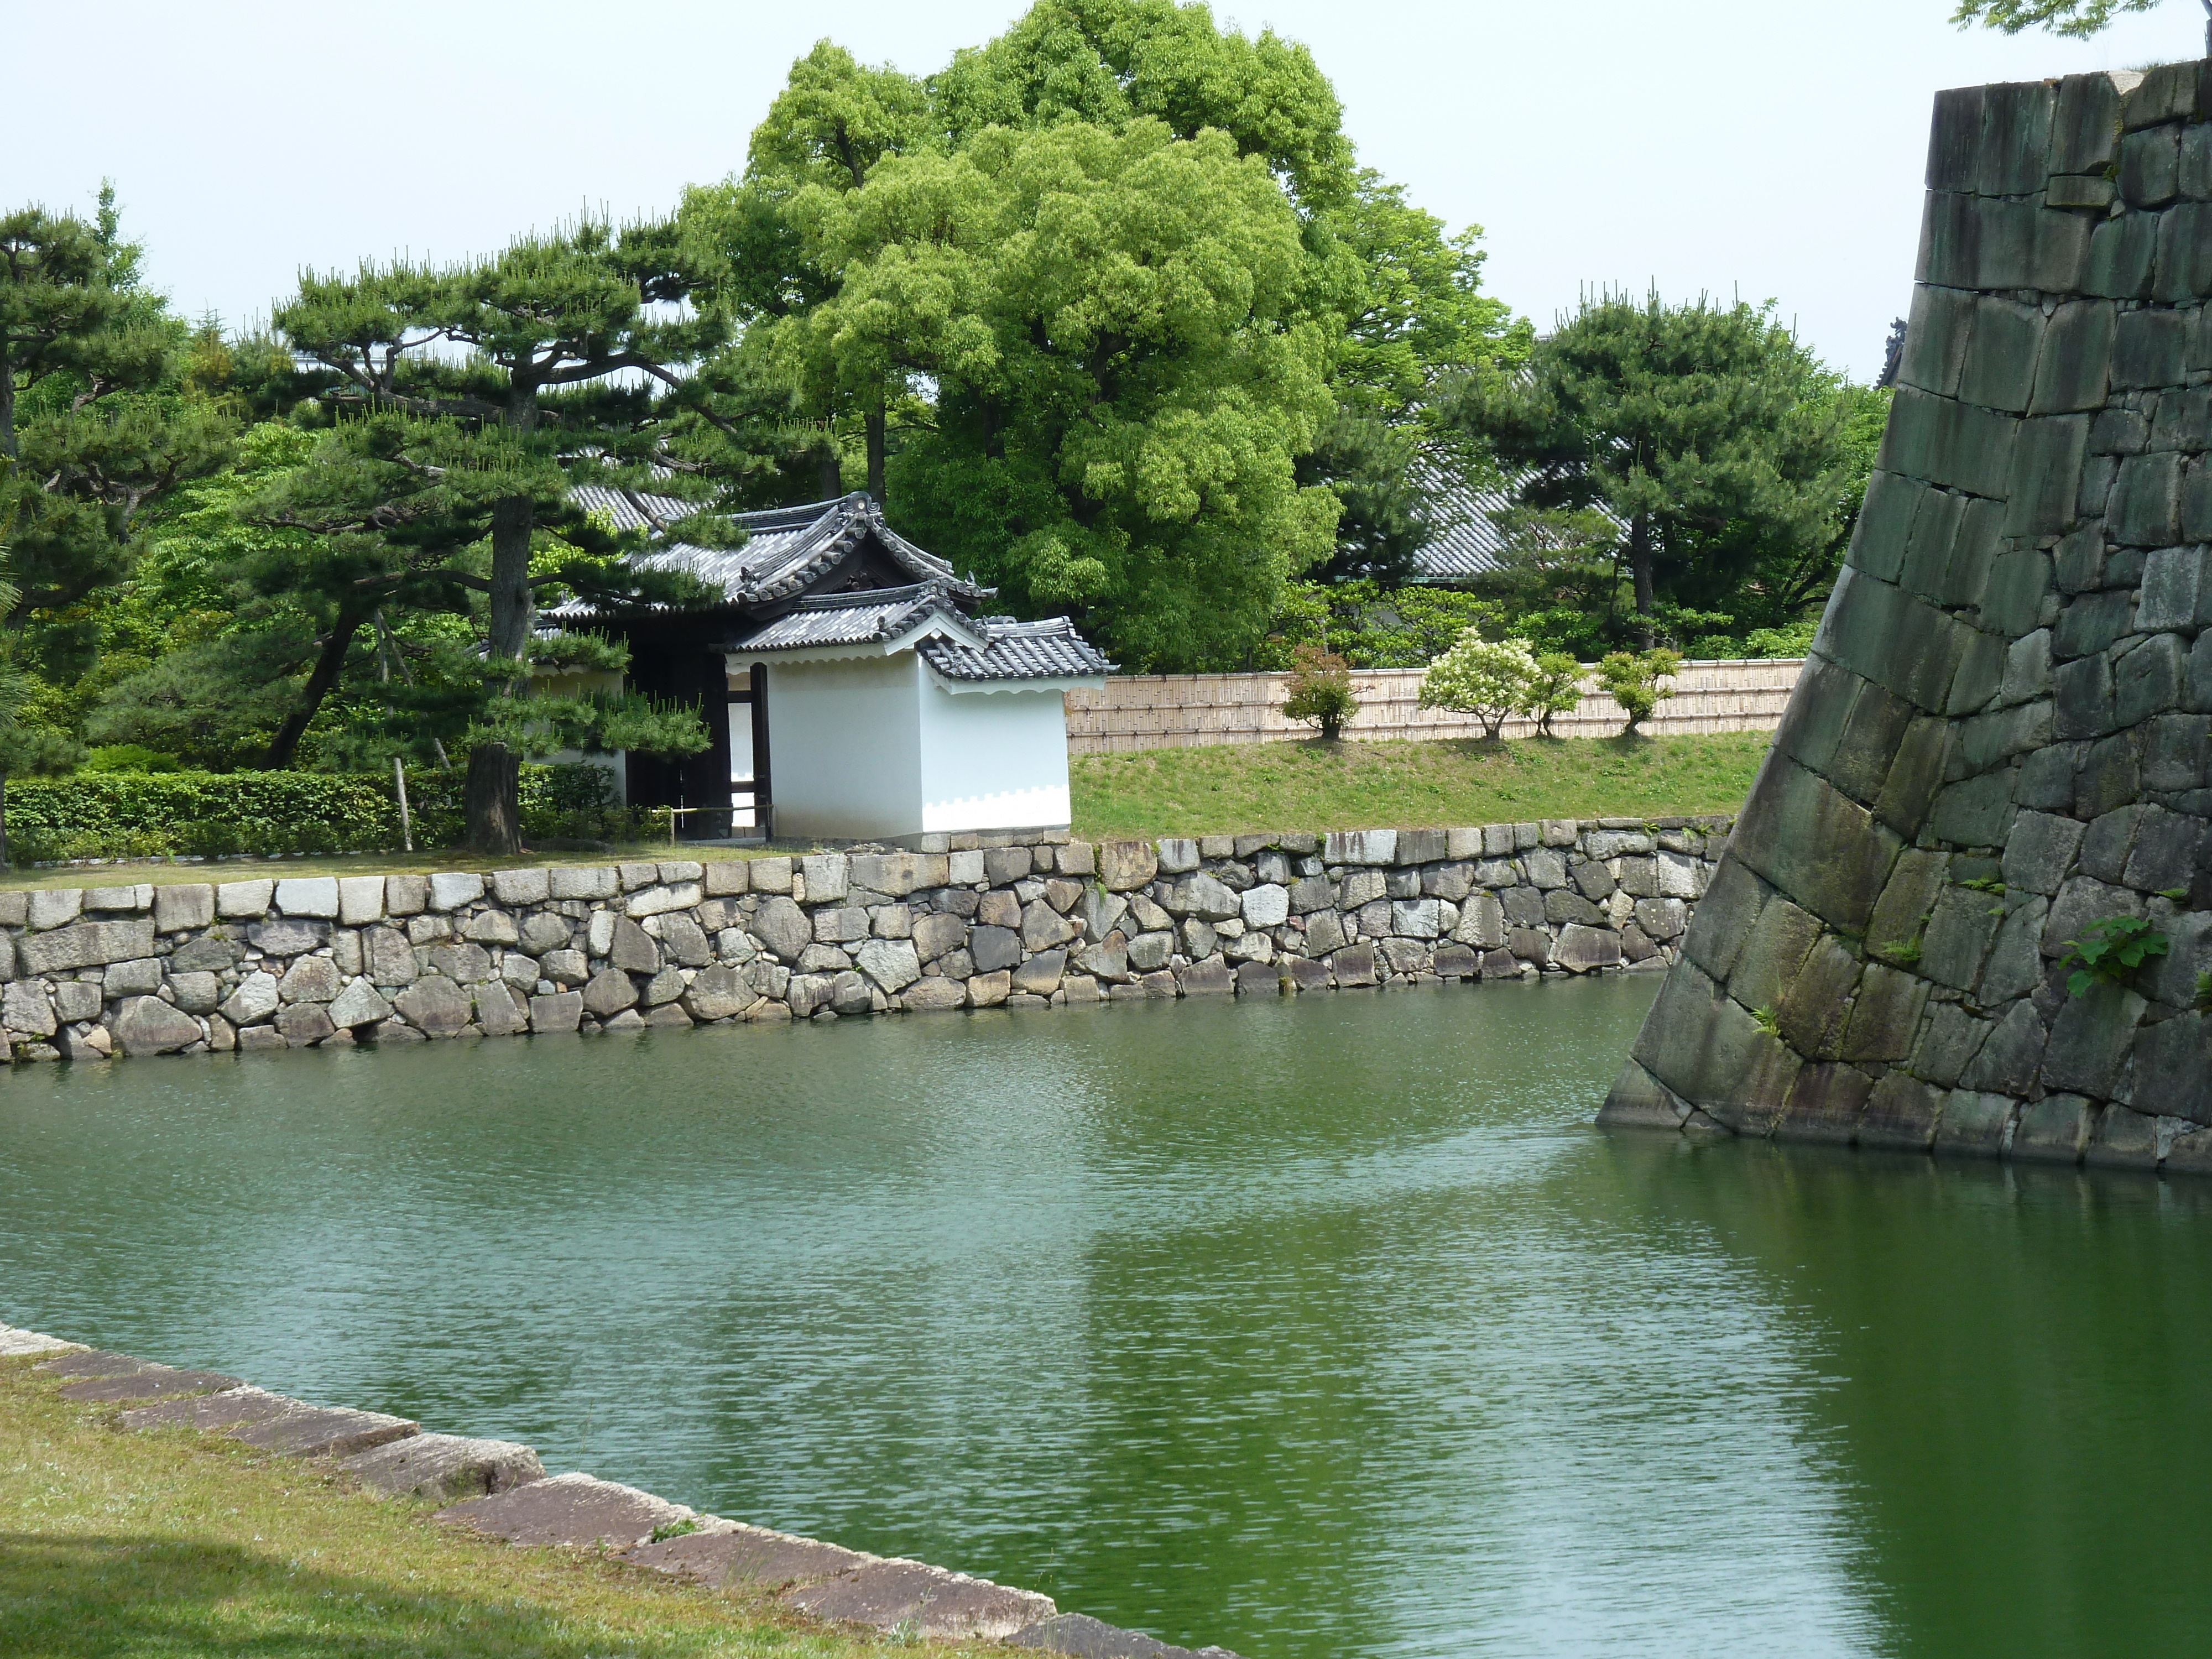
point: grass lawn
(161, 871)
(1312, 785)
(184, 1546)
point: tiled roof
(1473, 540)
(786, 548)
(958, 647)
(1051, 649)
(852, 619)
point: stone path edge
(500, 1489)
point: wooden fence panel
(1175, 711)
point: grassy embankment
(1194, 792)
(1360, 786)
(191, 1547)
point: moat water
(1323, 1327)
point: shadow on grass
(120, 1593)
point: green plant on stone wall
(2110, 951)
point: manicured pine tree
(92, 427)
(1707, 430)
(554, 362)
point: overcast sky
(1770, 148)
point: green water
(1323, 1327)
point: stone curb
(517, 1501)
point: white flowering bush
(1490, 679)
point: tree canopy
(1697, 450)
(472, 399)
(1121, 324)
(2077, 18)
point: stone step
(447, 1466)
(277, 1423)
(233, 1408)
(927, 1601)
(95, 1362)
(150, 1383)
(1082, 1637)
(14, 1344)
(726, 1553)
(574, 1510)
(323, 1432)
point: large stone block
(26, 1010)
(1821, 848)
(1885, 1018)
(1125, 865)
(1199, 895)
(994, 948)
(2146, 508)
(2054, 1130)
(1710, 1050)
(2078, 365)
(189, 904)
(1361, 846)
(452, 888)
(86, 944)
(782, 928)
(147, 1026)
(436, 1005)
(1817, 1003)
(2000, 355)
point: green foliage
(1767, 1021)
(1720, 459)
(1557, 689)
(128, 758)
(1320, 690)
(480, 394)
(1116, 321)
(93, 425)
(124, 814)
(1387, 514)
(2077, 18)
(1632, 680)
(1794, 641)
(2110, 951)
(2204, 994)
(1124, 368)
(1372, 627)
(1492, 680)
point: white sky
(1772, 148)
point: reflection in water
(1324, 1327)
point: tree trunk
(1639, 566)
(7, 405)
(3, 820)
(495, 811)
(876, 450)
(830, 478)
(493, 798)
(328, 666)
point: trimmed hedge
(152, 814)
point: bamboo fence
(1176, 711)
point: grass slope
(191, 1546)
(1361, 785)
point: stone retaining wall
(2003, 740)
(137, 969)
